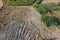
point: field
(46, 10)
(19, 18)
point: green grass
(19, 2)
(38, 1)
(41, 9)
(48, 20)
(22, 2)
(57, 8)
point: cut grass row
(19, 2)
(22, 2)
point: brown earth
(13, 15)
(50, 1)
(28, 14)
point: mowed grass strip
(19, 2)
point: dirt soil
(50, 1)
(30, 16)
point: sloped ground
(15, 19)
(18, 22)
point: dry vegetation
(50, 1)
